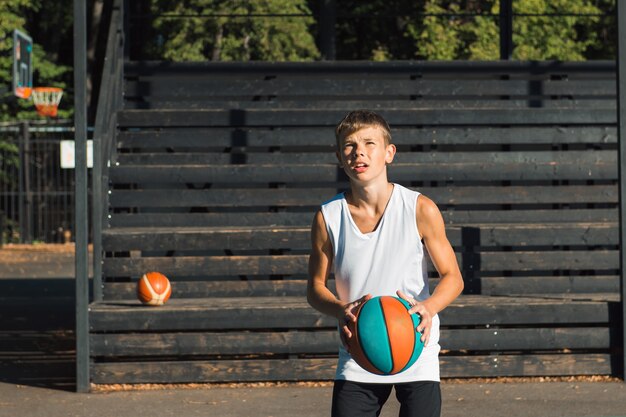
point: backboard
(22, 64)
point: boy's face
(364, 154)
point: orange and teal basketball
(384, 338)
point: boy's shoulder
(335, 200)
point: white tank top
(388, 259)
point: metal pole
(127, 29)
(27, 223)
(20, 187)
(80, 144)
(621, 160)
(328, 19)
(506, 29)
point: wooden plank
(484, 235)
(208, 266)
(327, 342)
(526, 339)
(470, 261)
(241, 219)
(324, 368)
(369, 102)
(572, 284)
(458, 217)
(216, 288)
(312, 197)
(213, 371)
(316, 137)
(546, 163)
(214, 343)
(562, 215)
(446, 69)
(451, 70)
(611, 298)
(328, 117)
(526, 365)
(519, 235)
(312, 87)
(329, 172)
(502, 286)
(203, 238)
(543, 260)
(295, 313)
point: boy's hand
(348, 317)
(426, 318)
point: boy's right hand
(348, 317)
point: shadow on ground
(37, 342)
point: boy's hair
(359, 119)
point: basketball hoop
(47, 100)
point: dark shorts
(417, 399)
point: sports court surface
(485, 399)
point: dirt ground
(17, 252)
(37, 260)
(317, 384)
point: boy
(372, 238)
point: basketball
(153, 289)
(384, 338)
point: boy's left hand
(426, 317)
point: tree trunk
(217, 44)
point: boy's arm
(431, 226)
(442, 255)
(320, 262)
(318, 294)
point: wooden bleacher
(218, 170)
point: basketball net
(47, 100)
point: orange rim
(23, 92)
(47, 89)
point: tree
(438, 39)
(216, 35)
(542, 29)
(45, 73)
(375, 29)
(553, 37)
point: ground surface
(480, 399)
(37, 261)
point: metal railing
(110, 100)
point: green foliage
(240, 38)
(9, 159)
(45, 73)
(553, 37)
(438, 38)
(472, 36)
(604, 30)
(484, 39)
(377, 29)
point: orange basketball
(385, 340)
(153, 289)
